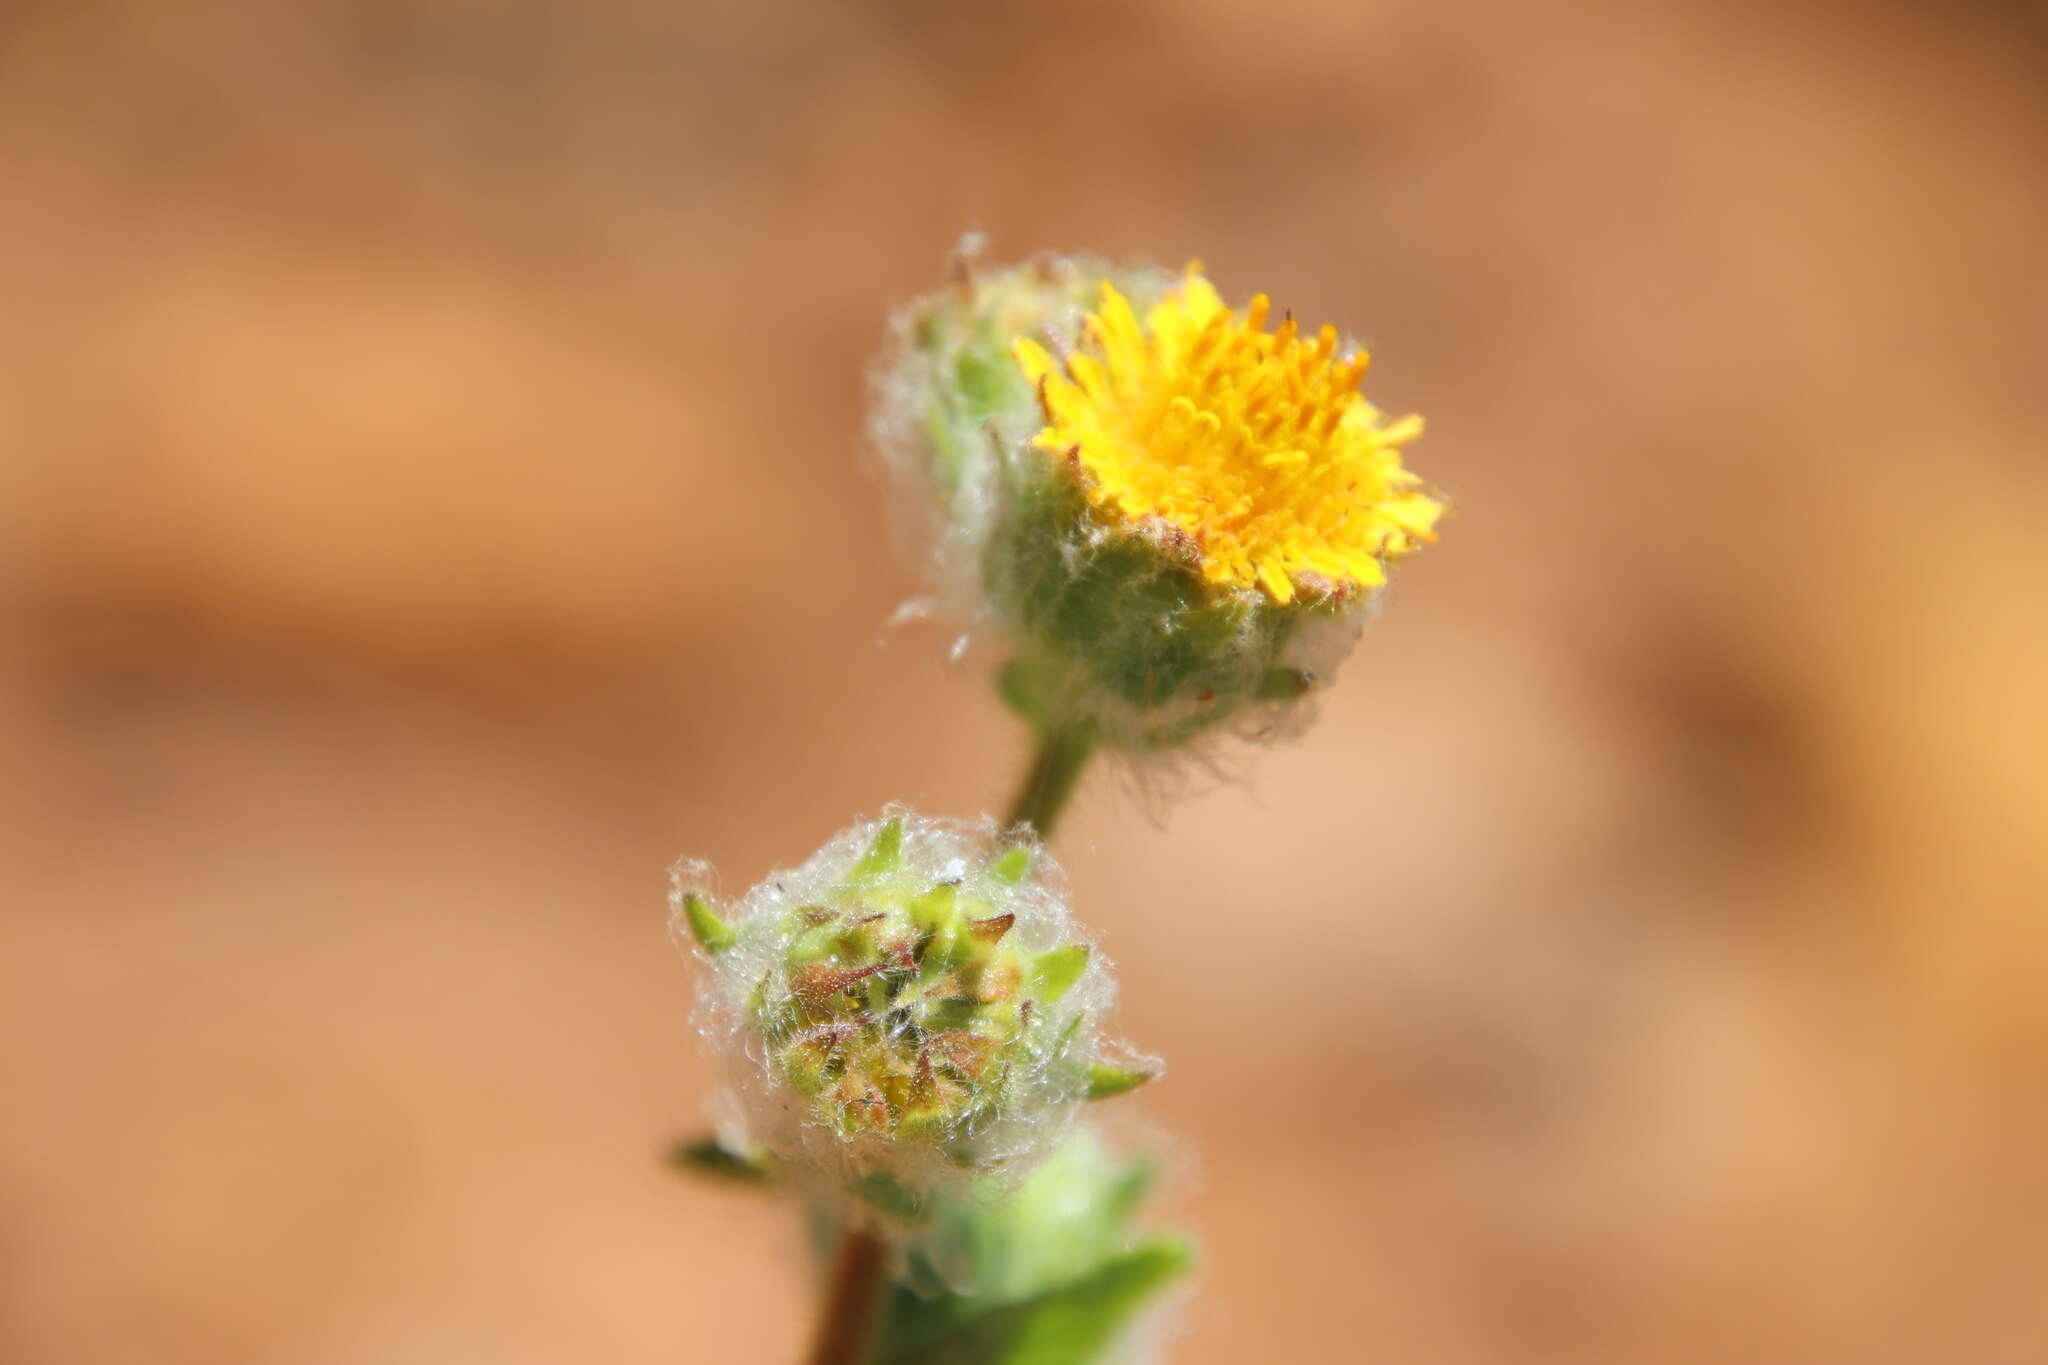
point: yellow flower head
(1254, 447)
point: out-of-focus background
(432, 499)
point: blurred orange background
(433, 500)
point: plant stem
(855, 1292)
(1063, 752)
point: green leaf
(1072, 1214)
(713, 933)
(1050, 1274)
(1074, 1324)
(1070, 1324)
(707, 1156)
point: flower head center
(1254, 445)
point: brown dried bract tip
(992, 929)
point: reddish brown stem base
(851, 1300)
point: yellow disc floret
(1254, 446)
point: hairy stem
(1063, 752)
(855, 1292)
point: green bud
(913, 1003)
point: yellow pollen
(1256, 445)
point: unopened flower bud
(909, 1008)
